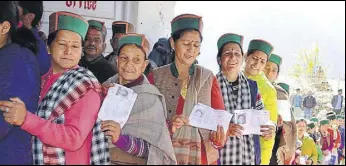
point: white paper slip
(205, 117)
(284, 109)
(118, 104)
(251, 120)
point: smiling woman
(66, 123)
(145, 133)
(258, 54)
(183, 84)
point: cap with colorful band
(122, 27)
(230, 37)
(324, 122)
(331, 115)
(137, 39)
(275, 59)
(68, 21)
(311, 125)
(284, 86)
(340, 117)
(98, 24)
(314, 119)
(301, 119)
(187, 21)
(260, 45)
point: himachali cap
(324, 122)
(314, 119)
(122, 27)
(230, 37)
(301, 119)
(187, 21)
(340, 117)
(137, 39)
(98, 24)
(260, 45)
(284, 86)
(68, 21)
(311, 125)
(331, 115)
(275, 59)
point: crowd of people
(51, 91)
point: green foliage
(308, 66)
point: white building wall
(151, 18)
(154, 19)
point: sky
(289, 26)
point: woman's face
(231, 58)
(187, 47)
(271, 70)
(255, 63)
(131, 62)
(66, 50)
(301, 126)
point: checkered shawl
(62, 95)
(237, 151)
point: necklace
(185, 82)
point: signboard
(101, 9)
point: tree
(311, 75)
(308, 69)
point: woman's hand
(14, 111)
(112, 129)
(235, 130)
(268, 131)
(107, 85)
(178, 121)
(218, 137)
(309, 162)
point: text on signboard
(90, 5)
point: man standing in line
(119, 29)
(94, 46)
(309, 103)
(337, 102)
(296, 102)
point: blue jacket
(19, 77)
(43, 58)
(254, 91)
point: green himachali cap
(260, 45)
(314, 119)
(324, 122)
(230, 37)
(284, 86)
(311, 125)
(137, 39)
(275, 59)
(187, 21)
(97, 24)
(68, 21)
(340, 117)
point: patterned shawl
(237, 151)
(147, 121)
(187, 141)
(62, 95)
